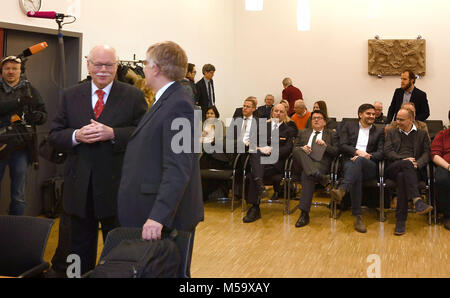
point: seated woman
(322, 106)
(213, 189)
(440, 155)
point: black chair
(434, 126)
(123, 233)
(294, 178)
(227, 172)
(279, 179)
(22, 245)
(391, 186)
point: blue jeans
(18, 163)
(355, 173)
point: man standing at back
(93, 123)
(205, 87)
(409, 93)
(291, 94)
(160, 185)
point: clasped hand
(94, 132)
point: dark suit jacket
(421, 147)
(348, 138)
(287, 133)
(203, 99)
(102, 161)
(158, 183)
(264, 111)
(418, 97)
(329, 137)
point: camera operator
(21, 107)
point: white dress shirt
(248, 120)
(363, 138)
(319, 137)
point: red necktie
(100, 104)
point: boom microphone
(46, 15)
(33, 50)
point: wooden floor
(272, 246)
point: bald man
(93, 123)
(379, 117)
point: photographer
(21, 108)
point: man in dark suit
(278, 149)
(361, 143)
(264, 111)
(409, 93)
(96, 149)
(407, 150)
(161, 184)
(205, 88)
(313, 170)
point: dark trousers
(309, 168)
(406, 177)
(59, 260)
(355, 173)
(84, 233)
(256, 172)
(443, 190)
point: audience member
(238, 112)
(291, 94)
(409, 93)
(419, 124)
(322, 106)
(265, 110)
(440, 154)
(362, 145)
(379, 117)
(189, 83)
(205, 88)
(407, 150)
(314, 169)
(301, 115)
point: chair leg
(233, 181)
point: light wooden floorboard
(225, 247)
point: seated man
(419, 124)
(286, 134)
(313, 170)
(361, 143)
(265, 110)
(408, 151)
(379, 117)
(301, 115)
(440, 154)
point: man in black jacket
(361, 144)
(205, 88)
(407, 150)
(313, 171)
(18, 107)
(409, 93)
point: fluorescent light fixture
(254, 5)
(303, 15)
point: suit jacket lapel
(86, 113)
(114, 98)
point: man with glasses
(361, 144)
(379, 117)
(315, 168)
(407, 150)
(93, 123)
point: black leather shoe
(303, 220)
(400, 228)
(324, 180)
(253, 214)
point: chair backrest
(434, 126)
(22, 243)
(125, 233)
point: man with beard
(362, 145)
(409, 93)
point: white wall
(254, 51)
(330, 61)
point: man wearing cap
(21, 104)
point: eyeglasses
(317, 118)
(100, 65)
